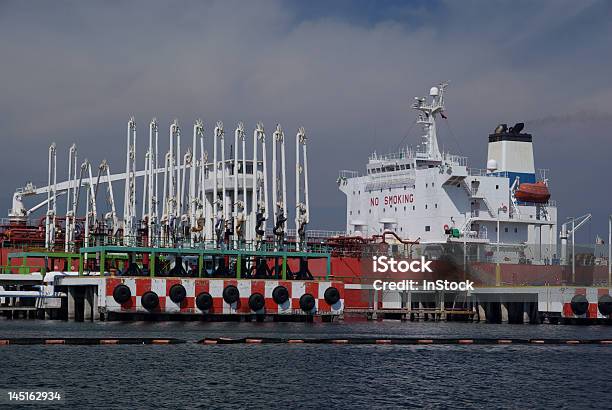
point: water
(333, 376)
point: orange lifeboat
(537, 192)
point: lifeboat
(537, 192)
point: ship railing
(481, 172)
(312, 233)
(402, 154)
(345, 174)
(455, 159)
(551, 202)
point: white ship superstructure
(433, 196)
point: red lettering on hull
(394, 200)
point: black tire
(579, 304)
(307, 302)
(149, 300)
(604, 304)
(280, 295)
(331, 296)
(231, 294)
(204, 301)
(177, 293)
(257, 302)
(122, 294)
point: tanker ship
(210, 237)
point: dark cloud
(76, 71)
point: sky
(345, 70)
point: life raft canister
(579, 304)
(177, 293)
(307, 302)
(149, 300)
(231, 294)
(331, 296)
(280, 295)
(122, 294)
(204, 301)
(256, 302)
(604, 304)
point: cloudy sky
(345, 70)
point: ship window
(370, 211)
(458, 186)
(359, 192)
(496, 229)
(505, 229)
(404, 187)
(432, 184)
(359, 212)
(380, 189)
(515, 230)
(436, 206)
(425, 206)
(351, 213)
(413, 207)
(427, 228)
(396, 209)
(404, 208)
(353, 192)
(496, 186)
(426, 185)
(384, 209)
(401, 229)
(408, 166)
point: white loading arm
(104, 167)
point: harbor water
(192, 375)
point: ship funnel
(511, 153)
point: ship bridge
(432, 195)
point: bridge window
(427, 228)
(496, 186)
(515, 230)
(505, 229)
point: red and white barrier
(194, 286)
(592, 296)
